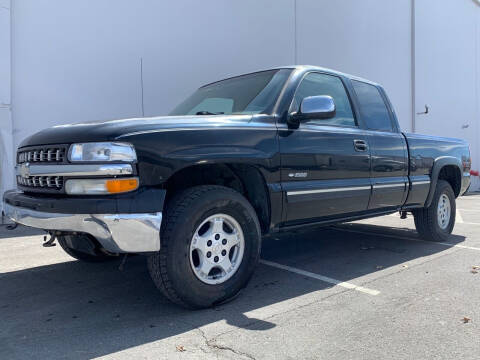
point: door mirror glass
(314, 107)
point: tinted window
(220, 105)
(372, 107)
(315, 84)
(247, 94)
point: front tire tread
(157, 264)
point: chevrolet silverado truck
(250, 155)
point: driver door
(325, 162)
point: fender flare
(437, 167)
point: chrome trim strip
(117, 233)
(381, 186)
(75, 170)
(318, 191)
(420, 182)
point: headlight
(102, 151)
(100, 186)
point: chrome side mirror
(313, 107)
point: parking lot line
(321, 278)
(458, 217)
(408, 238)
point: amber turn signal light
(115, 186)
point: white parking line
(321, 278)
(407, 238)
(458, 217)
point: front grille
(41, 154)
(41, 182)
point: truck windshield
(247, 94)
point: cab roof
(303, 69)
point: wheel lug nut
(209, 254)
(209, 243)
(215, 259)
(217, 237)
(224, 241)
(224, 252)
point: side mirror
(313, 107)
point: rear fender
(437, 167)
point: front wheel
(436, 222)
(210, 245)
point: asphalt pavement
(365, 290)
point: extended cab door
(325, 163)
(388, 148)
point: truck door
(388, 148)
(325, 163)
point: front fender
(161, 154)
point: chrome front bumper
(117, 233)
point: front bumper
(116, 232)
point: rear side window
(372, 107)
(315, 84)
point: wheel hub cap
(443, 211)
(216, 249)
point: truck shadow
(79, 311)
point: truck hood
(114, 129)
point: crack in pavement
(252, 323)
(211, 344)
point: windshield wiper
(208, 113)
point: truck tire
(66, 241)
(210, 246)
(436, 222)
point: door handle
(360, 145)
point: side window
(372, 107)
(315, 84)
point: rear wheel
(210, 245)
(83, 248)
(436, 222)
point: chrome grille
(39, 182)
(44, 154)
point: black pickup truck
(240, 158)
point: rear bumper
(116, 232)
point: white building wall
(368, 38)
(81, 60)
(6, 138)
(447, 64)
(476, 155)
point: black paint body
(283, 155)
